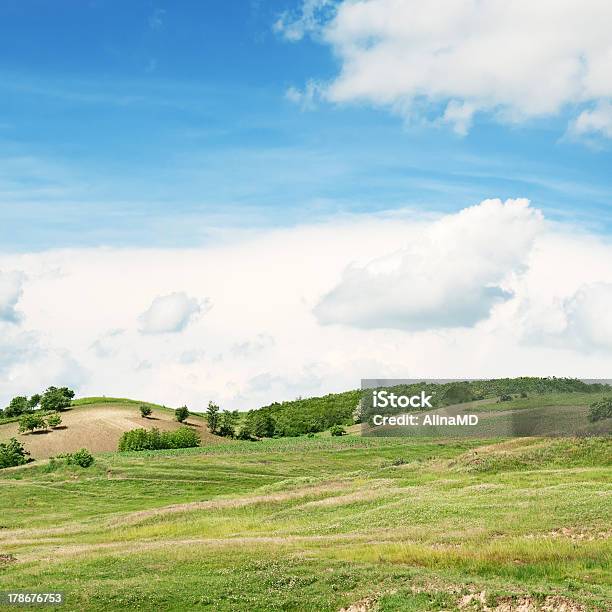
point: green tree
(181, 414)
(54, 420)
(227, 423)
(34, 400)
(56, 399)
(12, 453)
(145, 411)
(212, 416)
(31, 421)
(17, 406)
(263, 425)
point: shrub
(600, 410)
(337, 430)
(82, 457)
(183, 437)
(54, 420)
(505, 397)
(145, 411)
(31, 421)
(181, 414)
(141, 439)
(12, 453)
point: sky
(249, 201)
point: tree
(54, 420)
(145, 411)
(181, 414)
(34, 400)
(212, 416)
(31, 421)
(227, 424)
(12, 453)
(56, 400)
(18, 406)
(262, 424)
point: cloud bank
(448, 60)
(492, 290)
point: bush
(183, 437)
(505, 397)
(337, 430)
(12, 453)
(141, 439)
(82, 458)
(600, 410)
(54, 420)
(145, 411)
(31, 421)
(181, 414)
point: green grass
(315, 524)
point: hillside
(329, 524)
(97, 424)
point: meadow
(317, 523)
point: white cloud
(516, 60)
(595, 121)
(293, 26)
(170, 313)
(450, 275)
(11, 289)
(589, 316)
(266, 286)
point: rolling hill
(97, 424)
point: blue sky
(156, 124)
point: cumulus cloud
(11, 289)
(449, 276)
(456, 58)
(170, 313)
(589, 316)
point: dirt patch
(98, 428)
(6, 559)
(552, 603)
(363, 605)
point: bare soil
(98, 428)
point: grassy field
(318, 524)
